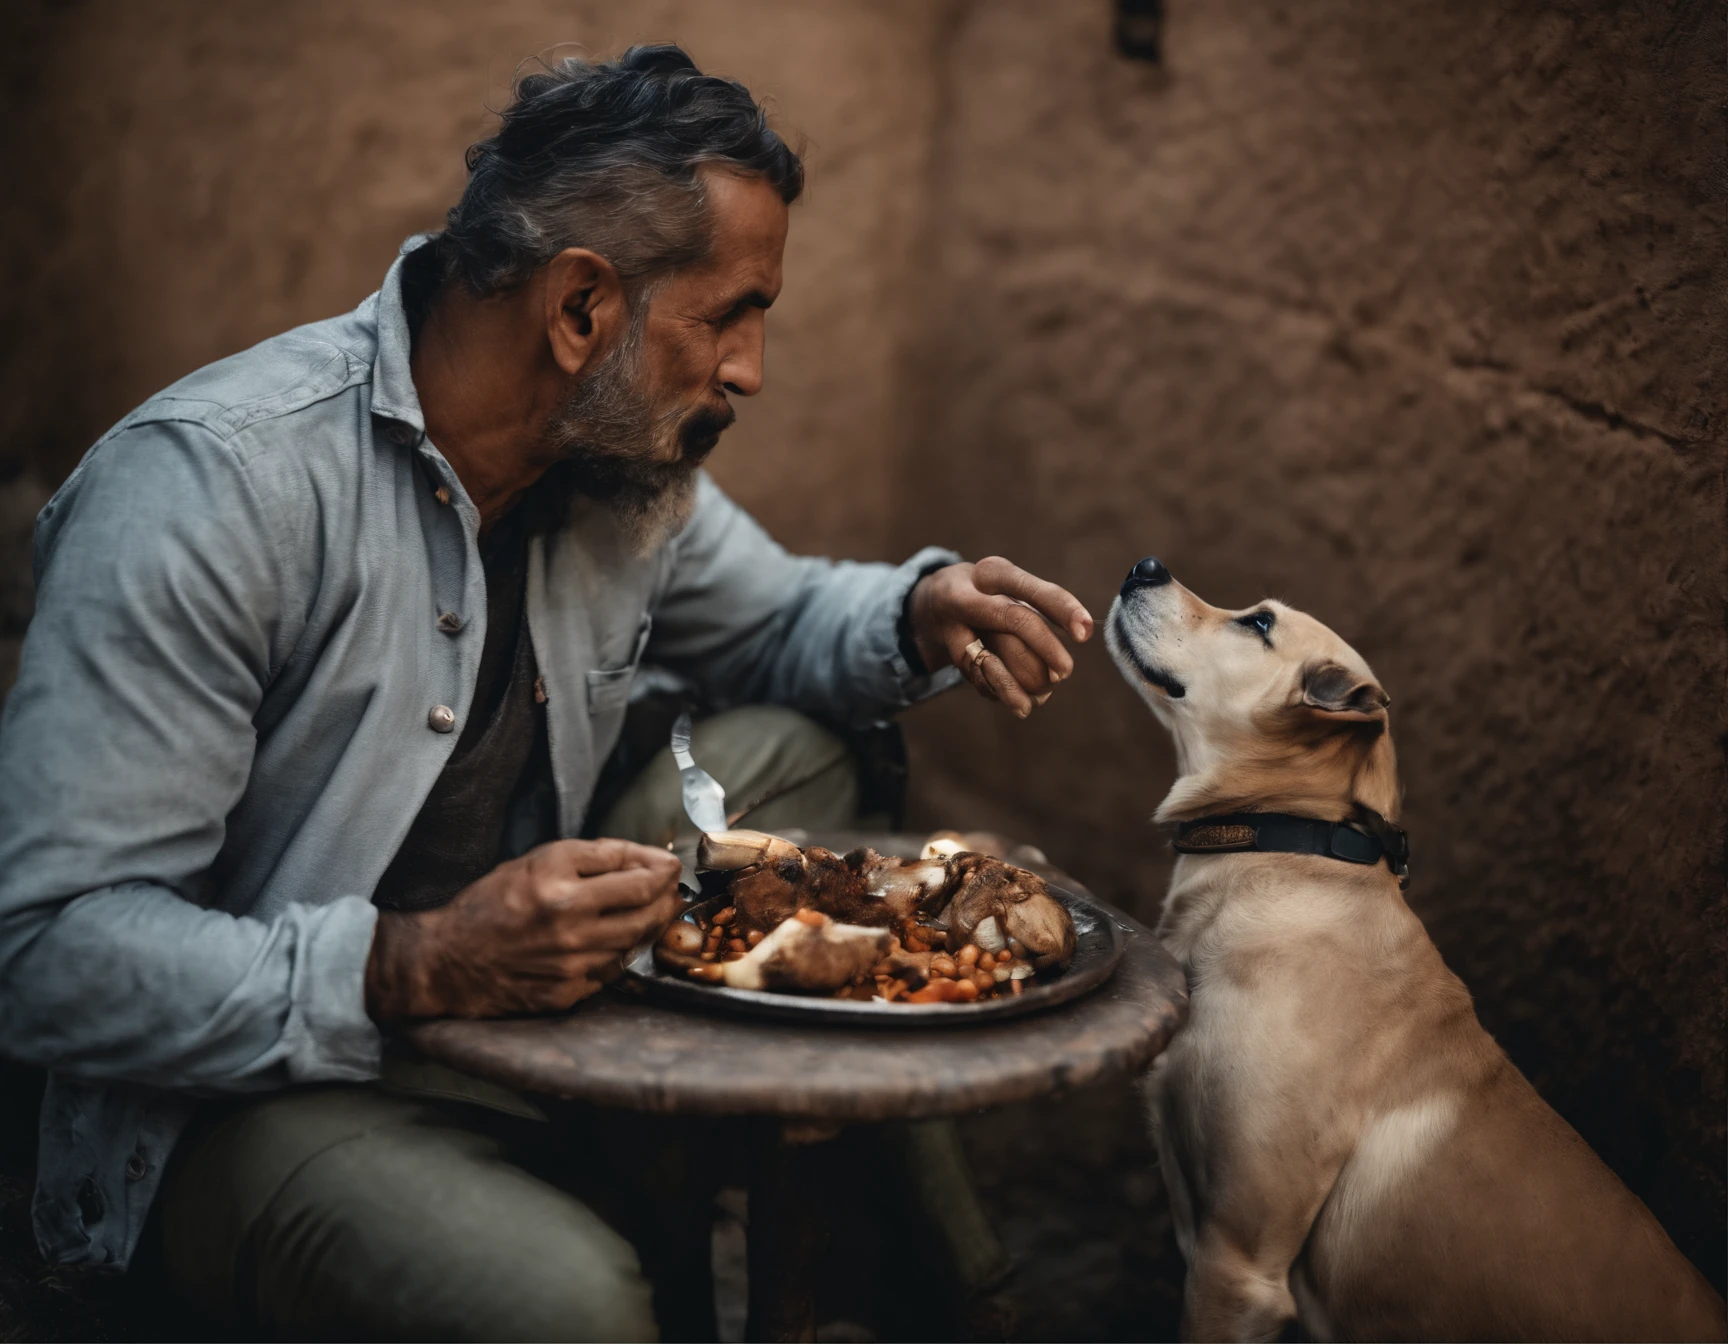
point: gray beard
(615, 444)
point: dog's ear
(1339, 693)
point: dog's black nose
(1147, 573)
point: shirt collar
(393, 394)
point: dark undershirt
(494, 797)
(493, 773)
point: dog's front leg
(1234, 1292)
(1255, 1215)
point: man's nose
(741, 379)
(1147, 573)
(741, 366)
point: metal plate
(1098, 947)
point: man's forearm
(840, 654)
(134, 983)
(751, 623)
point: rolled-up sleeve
(750, 623)
(125, 743)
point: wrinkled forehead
(748, 223)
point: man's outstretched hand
(532, 936)
(1008, 609)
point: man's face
(706, 325)
(638, 427)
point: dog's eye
(1260, 622)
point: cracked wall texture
(1409, 315)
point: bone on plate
(951, 926)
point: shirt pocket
(609, 687)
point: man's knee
(412, 1226)
(786, 769)
(778, 767)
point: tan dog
(1342, 1142)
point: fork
(704, 799)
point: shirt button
(450, 623)
(441, 719)
(442, 494)
(136, 1167)
(399, 433)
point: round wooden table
(804, 1082)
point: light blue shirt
(220, 731)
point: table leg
(788, 1229)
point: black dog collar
(1281, 833)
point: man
(332, 640)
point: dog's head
(1270, 710)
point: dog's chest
(1229, 927)
(1195, 908)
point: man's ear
(585, 309)
(1339, 693)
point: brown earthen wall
(192, 178)
(1411, 315)
(1408, 314)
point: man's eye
(1260, 622)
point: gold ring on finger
(977, 653)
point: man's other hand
(1012, 612)
(532, 936)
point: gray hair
(605, 156)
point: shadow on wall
(1410, 318)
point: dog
(1344, 1145)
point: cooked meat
(808, 952)
(1019, 902)
(964, 897)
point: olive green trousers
(435, 1206)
